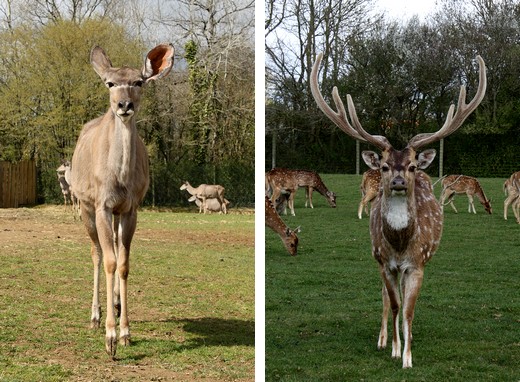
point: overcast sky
(400, 9)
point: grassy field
(191, 299)
(323, 307)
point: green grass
(191, 299)
(323, 307)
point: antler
(340, 117)
(453, 122)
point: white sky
(404, 9)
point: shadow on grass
(204, 332)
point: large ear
(426, 158)
(371, 159)
(100, 61)
(159, 62)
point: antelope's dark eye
(138, 83)
(110, 84)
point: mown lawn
(323, 307)
(191, 299)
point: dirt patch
(24, 231)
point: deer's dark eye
(138, 83)
(412, 168)
(110, 84)
(385, 168)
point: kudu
(406, 219)
(369, 187)
(110, 177)
(462, 184)
(275, 222)
(206, 191)
(63, 173)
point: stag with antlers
(406, 219)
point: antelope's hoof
(111, 347)
(94, 324)
(124, 340)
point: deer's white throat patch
(397, 214)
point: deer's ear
(426, 158)
(100, 61)
(371, 159)
(159, 62)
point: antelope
(275, 222)
(212, 204)
(512, 190)
(282, 180)
(63, 173)
(65, 179)
(462, 184)
(110, 177)
(369, 189)
(406, 219)
(206, 191)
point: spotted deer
(512, 191)
(462, 184)
(275, 222)
(406, 219)
(370, 185)
(110, 176)
(282, 179)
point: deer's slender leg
(392, 288)
(411, 282)
(383, 333)
(471, 205)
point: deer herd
(406, 219)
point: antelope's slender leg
(127, 230)
(106, 240)
(89, 221)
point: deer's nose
(398, 183)
(125, 105)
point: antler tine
(340, 117)
(455, 120)
(377, 140)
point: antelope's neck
(122, 152)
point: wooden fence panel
(17, 184)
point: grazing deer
(462, 184)
(370, 185)
(275, 222)
(110, 177)
(512, 191)
(282, 180)
(212, 204)
(206, 191)
(406, 219)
